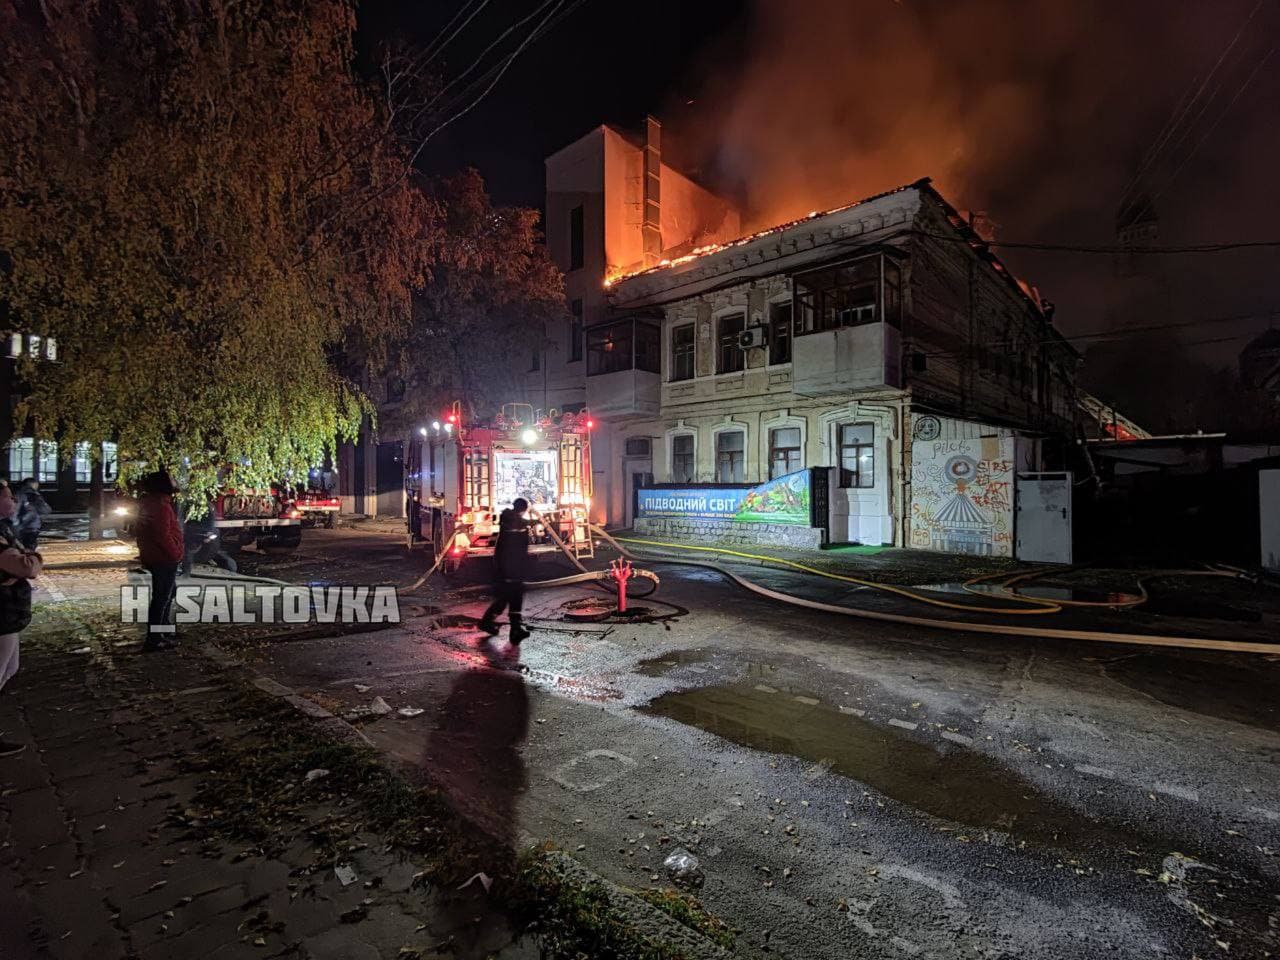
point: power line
(1214, 126)
(1105, 249)
(1121, 333)
(499, 70)
(1163, 142)
(436, 46)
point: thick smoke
(1034, 113)
(1031, 108)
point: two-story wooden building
(883, 339)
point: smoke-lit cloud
(1035, 112)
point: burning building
(883, 341)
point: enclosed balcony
(848, 320)
(624, 368)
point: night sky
(1035, 112)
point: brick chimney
(651, 226)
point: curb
(650, 922)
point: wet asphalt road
(851, 789)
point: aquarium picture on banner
(784, 500)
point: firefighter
(510, 563)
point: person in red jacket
(160, 549)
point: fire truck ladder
(476, 480)
(575, 527)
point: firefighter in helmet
(510, 565)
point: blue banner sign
(784, 500)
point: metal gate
(1043, 517)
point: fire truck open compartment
(470, 472)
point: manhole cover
(593, 611)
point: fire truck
(268, 518)
(470, 472)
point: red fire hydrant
(621, 571)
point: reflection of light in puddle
(119, 548)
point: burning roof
(699, 252)
(963, 232)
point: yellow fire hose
(1025, 632)
(1047, 633)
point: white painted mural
(962, 495)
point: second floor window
(577, 238)
(780, 333)
(850, 294)
(857, 455)
(682, 458)
(682, 352)
(731, 465)
(575, 330)
(729, 356)
(785, 453)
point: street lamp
(422, 431)
(530, 437)
(435, 425)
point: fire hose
(1046, 633)
(1025, 632)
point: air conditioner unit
(754, 336)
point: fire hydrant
(621, 571)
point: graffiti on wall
(962, 496)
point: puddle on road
(961, 786)
(1034, 591)
(666, 663)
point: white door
(1043, 517)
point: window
(625, 345)
(609, 348)
(575, 331)
(21, 459)
(577, 242)
(47, 468)
(729, 356)
(83, 464)
(780, 333)
(857, 455)
(842, 296)
(22, 345)
(648, 348)
(110, 462)
(638, 446)
(785, 455)
(682, 458)
(682, 352)
(731, 457)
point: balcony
(846, 359)
(847, 320)
(624, 363)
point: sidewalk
(110, 849)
